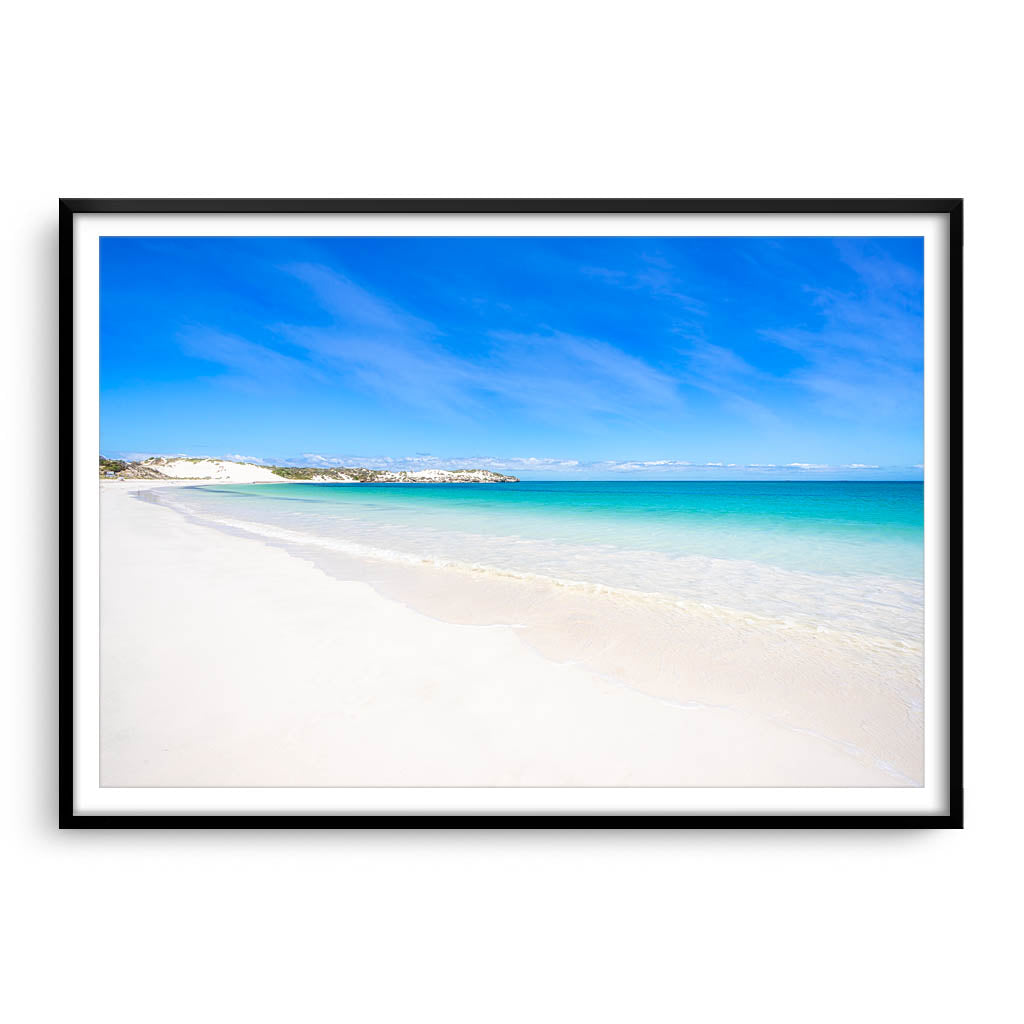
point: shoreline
(347, 691)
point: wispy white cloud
(722, 372)
(858, 355)
(406, 360)
(247, 458)
(556, 467)
(656, 276)
(863, 358)
(544, 371)
(252, 366)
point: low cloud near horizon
(557, 468)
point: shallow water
(799, 603)
(846, 556)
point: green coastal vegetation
(122, 470)
(356, 473)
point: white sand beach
(227, 662)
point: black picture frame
(951, 208)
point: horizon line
(532, 464)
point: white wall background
(531, 99)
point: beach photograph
(511, 511)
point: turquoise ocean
(845, 555)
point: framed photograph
(511, 513)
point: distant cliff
(183, 468)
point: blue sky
(601, 358)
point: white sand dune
(225, 662)
(213, 469)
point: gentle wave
(798, 587)
(843, 662)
